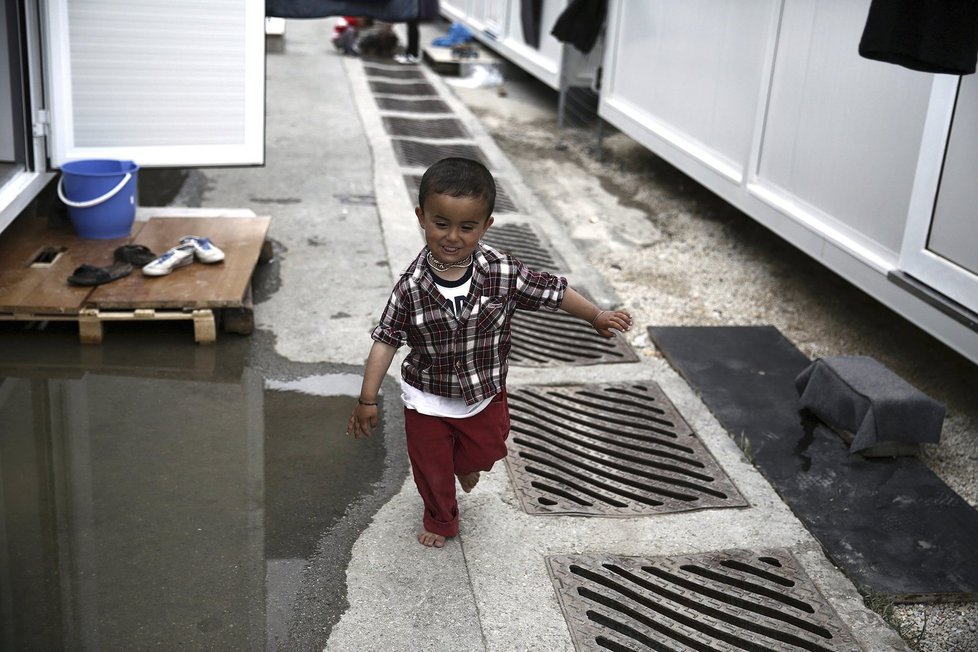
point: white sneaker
(203, 248)
(405, 58)
(169, 261)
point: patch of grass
(884, 606)
(744, 444)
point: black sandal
(134, 254)
(91, 275)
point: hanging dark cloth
(388, 11)
(580, 23)
(531, 11)
(938, 36)
(428, 9)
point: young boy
(452, 306)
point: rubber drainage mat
(434, 128)
(556, 339)
(609, 450)
(503, 205)
(729, 600)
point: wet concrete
(159, 494)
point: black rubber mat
(727, 600)
(891, 524)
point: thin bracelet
(362, 402)
(600, 312)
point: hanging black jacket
(938, 36)
(580, 23)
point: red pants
(441, 448)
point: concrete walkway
(344, 225)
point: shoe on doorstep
(405, 58)
(170, 260)
(204, 249)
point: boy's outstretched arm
(606, 322)
(364, 417)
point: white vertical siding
(159, 81)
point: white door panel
(160, 82)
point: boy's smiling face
(453, 225)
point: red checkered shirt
(465, 357)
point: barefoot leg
(468, 480)
(431, 539)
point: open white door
(940, 246)
(159, 82)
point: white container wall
(691, 72)
(770, 106)
(866, 166)
(842, 133)
(500, 25)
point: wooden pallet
(39, 291)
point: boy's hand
(607, 322)
(362, 421)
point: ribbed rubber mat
(433, 128)
(549, 339)
(389, 72)
(521, 241)
(609, 450)
(423, 155)
(408, 105)
(405, 88)
(503, 202)
(728, 600)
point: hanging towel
(388, 11)
(580, 23)
(939, 36)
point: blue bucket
(101, 196)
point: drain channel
(409, 105)
(434, 128)
(503, 205)
(609, 450)
(405, 88)
(412, 153)
(553, 339)
(392, 73)
(728, 600)
(521, 241)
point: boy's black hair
(459, 177)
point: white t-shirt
(432, 404)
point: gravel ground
(678, 255)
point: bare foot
(431, 539)
(468, 480)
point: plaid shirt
(464, 357)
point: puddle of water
(164, 497)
